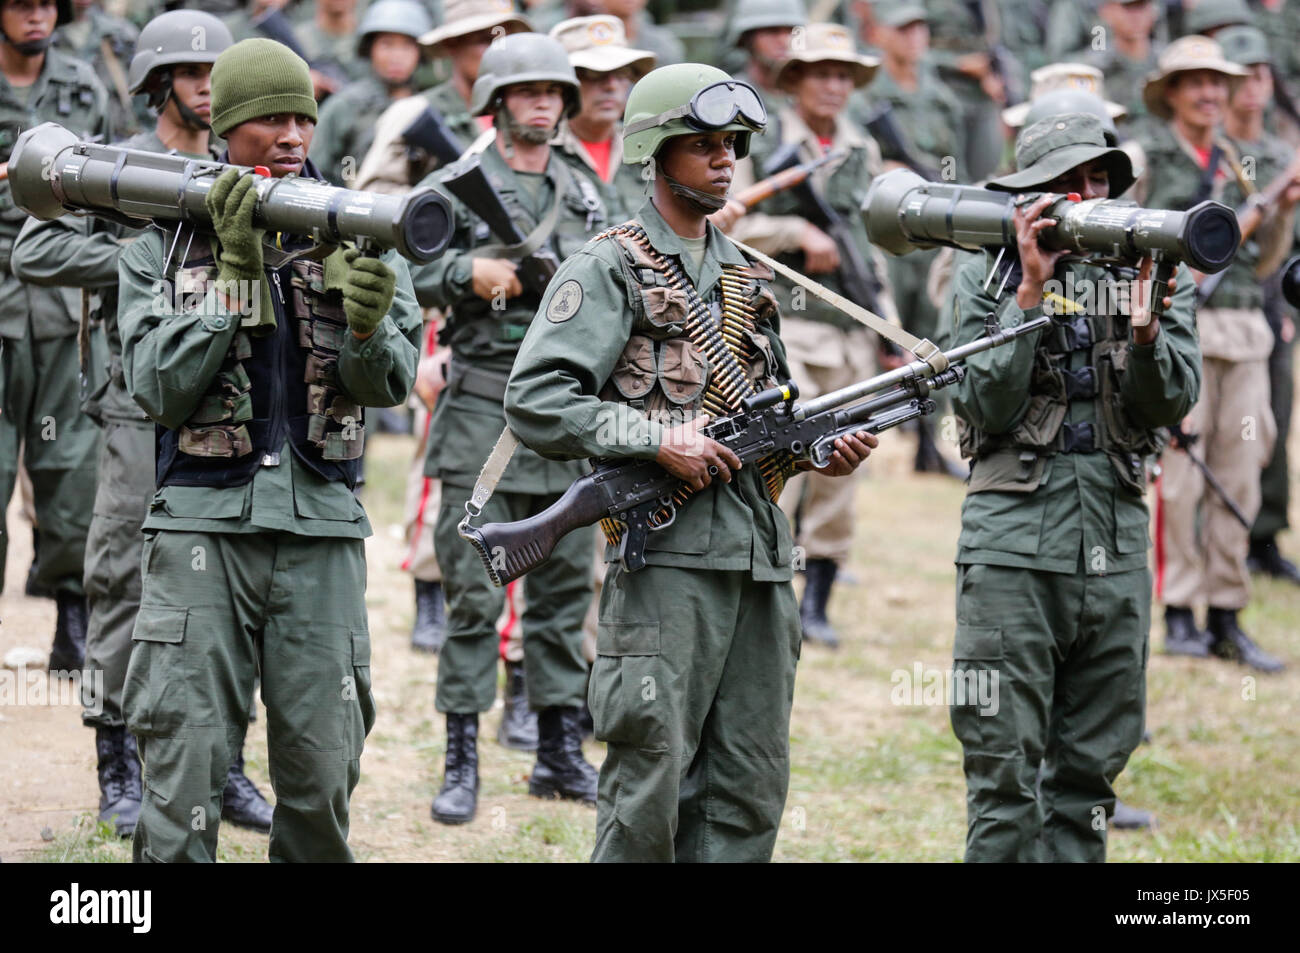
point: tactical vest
(1014, 461)
(270, 386)
(479, 329)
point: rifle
(1250, 215)
(429, 132)
(859, 283)
(1183, 441)
(1000, 60)
(466, 180)
(638, 494)
(787, 178)
(892, 144)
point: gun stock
(429, 132)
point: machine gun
(639, 494)
(466, 180)
(904, 212)
(52, 173)
(859, 283)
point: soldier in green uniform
(329, 38)
(606, 69)
(525, 83)
(107, 43)
(757, 39)
(389, 41)
(827, 349)
(1204, 547)
(255, 363)
(642, 32)
(40, 407)
(694, 678)
(83, 251)
(1244, 121)
(1053, 591)
(1126, 57)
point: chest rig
(687, 356)
(269, 386)
(1015, 461)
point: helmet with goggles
(687, 98)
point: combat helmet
(64, 8)
(761, 14)
(178, 36)
(686, 98)
(523, 58)
(407, 17)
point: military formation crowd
(191, 461)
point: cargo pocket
(666, 308)
(1131, 522)
(155, 697)
(682, 371)
(985, 724)
(635, 372)
(361, 716)
(626, 686)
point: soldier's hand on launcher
(1147, 334)
(491, 276)
(1036, 262)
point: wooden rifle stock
(785, 179)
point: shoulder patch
(565, 302)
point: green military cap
(1055, 145)
(1214, 14)
(898, 13)
(1244, 45)
(762, 14)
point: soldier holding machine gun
(254, 562)
(1053, 592)
(816, 228)
(520, 209)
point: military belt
(465, 378)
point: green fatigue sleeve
(1164, 377)
(380, 371)
(328, 143)
(169, 356)
(995, 393)
(567, 356)
(447, 279)
(66, 252)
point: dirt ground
(871, 779)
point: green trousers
(113, 549)
(1069, 652)
(217, 609)
(556, 596)
(40, 411)
(692, 690)
(1275, 483)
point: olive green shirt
(345, 129)
(552, 404)
(928, 118)
(1078, 510)
(170, 358)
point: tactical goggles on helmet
(714, 107)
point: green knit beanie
(259, 77)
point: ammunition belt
(726, 345)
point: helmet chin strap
(163, 92)
(703, 202)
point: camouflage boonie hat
(898, 13)
(1244, 45)
(463, 17)
(1057, 76)
(599, 44)
(1055, 145)
(1213, 14)
(1183, 55)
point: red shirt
(599, 152)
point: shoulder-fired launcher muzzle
(52, 172)
(903, 212)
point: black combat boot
(1182, 637)
(1266, 558)
(119, 778)
(518, 722)
(34, 588)
(1235, 645)
(242, 803)
(561, 770)
(68, 654)
(1127, 818)
(819, 578)
(430, 629)
(458, 799)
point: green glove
(367, 291)
(230, 204)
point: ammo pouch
(334, 423)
